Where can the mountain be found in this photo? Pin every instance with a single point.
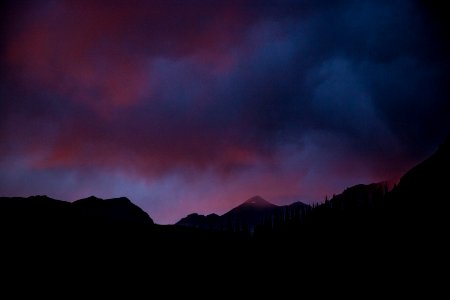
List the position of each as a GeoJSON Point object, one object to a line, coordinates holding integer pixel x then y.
{"type": "Point", "coordinates": [45, 210]}
{"type": "Point", "coordinates": [113, 210]}
{"type": "Point", "coordinates": [359, 197]}
{"type": "Point", "coordinates": [419, 200]}
{"type": "Point", "coordinates": [414, 210]}
{"type": "Point", "coordinates": [246, 217]}
{"type": "Point", "coordinates": [349, 213]}
{"type": "Point", "coordinates": [212, 221]}
{"type": "Point", "coordinates": [253, 204]}
{"type": "Point", "coordinates": [428, 181]}
{"type": "Point", "coordinates": [255, 211]}
{"type": "Point", "coordinates": [422, 195]}
{"type": "Point", "coordinates": [34, 209]}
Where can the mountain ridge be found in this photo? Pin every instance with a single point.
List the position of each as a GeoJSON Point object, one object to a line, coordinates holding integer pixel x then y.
{"type": "Point", "coordinates": [41, 208]}
{"type": "Point", "coordinates": [421, 182]}
{"type": "Point", "coordinates": [253, 212]}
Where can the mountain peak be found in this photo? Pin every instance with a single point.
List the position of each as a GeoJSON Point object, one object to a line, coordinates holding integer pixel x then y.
{"type": "Point", "coordinates": [89, 199]}
{"type": "Point", "coordinates": [120, 200]}
{"type": "Point", "coordinates": [257, 201]}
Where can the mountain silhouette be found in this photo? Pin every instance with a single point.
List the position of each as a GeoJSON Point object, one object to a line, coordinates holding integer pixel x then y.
{"type": "Point", "coordinates": [253, 212]}
{"type": "Point", "coordinates": [422, 197]}
{"type": "Point", "coordinates": [114, 210]}
{"type": "Point", "coordinates": [414, 211]}
{"type": "Point", "coordinates": [212, 221]}
{"type": "Point", "coordinates": [348, 214]}
{"type": "Point", "coordinates": [251, 205]}
{"type": "Point", "coordinates": [359, 197]}
{"type": "Point", "coordinates": [428, 180]}
{"type": "Point", "coordinates": [34, 209]}
{"type": "Point", "coordinates": [43, 209]}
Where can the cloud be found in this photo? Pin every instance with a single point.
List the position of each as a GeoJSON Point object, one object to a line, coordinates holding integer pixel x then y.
{"type": "Point", "coordinates": [220, 100]}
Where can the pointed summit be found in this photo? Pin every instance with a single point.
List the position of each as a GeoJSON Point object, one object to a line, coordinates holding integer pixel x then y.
{"type": "Point", "coordinates": [90, 199]}
{"type": "Point", "coordinates": [254, 204]}
{"type": "Point", "coordinates": [258, 201]}
{"type": "Point", "coordinates": [252, 212]}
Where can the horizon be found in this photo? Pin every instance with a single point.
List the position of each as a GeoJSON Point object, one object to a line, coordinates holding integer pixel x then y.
{"type": "Point", "coordinates": [389, 183]}
{"type": "Point", "coordinates": [198, 106]}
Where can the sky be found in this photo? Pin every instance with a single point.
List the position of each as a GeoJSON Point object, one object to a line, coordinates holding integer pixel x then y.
{"type": "Point", "coordinates": [196, 106]}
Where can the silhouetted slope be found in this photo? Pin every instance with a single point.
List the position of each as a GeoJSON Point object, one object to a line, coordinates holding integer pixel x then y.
{"type": "Point", "coordinates": [359, 197]}
{"type": "Point", "coordinates": [348, 213]}
{"type": "Point", "coordinates": [428, 181]}
{"type": "Point", "coordinates": [413, 212]}
{"type": "Point", "coordinates": [422, 196]}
